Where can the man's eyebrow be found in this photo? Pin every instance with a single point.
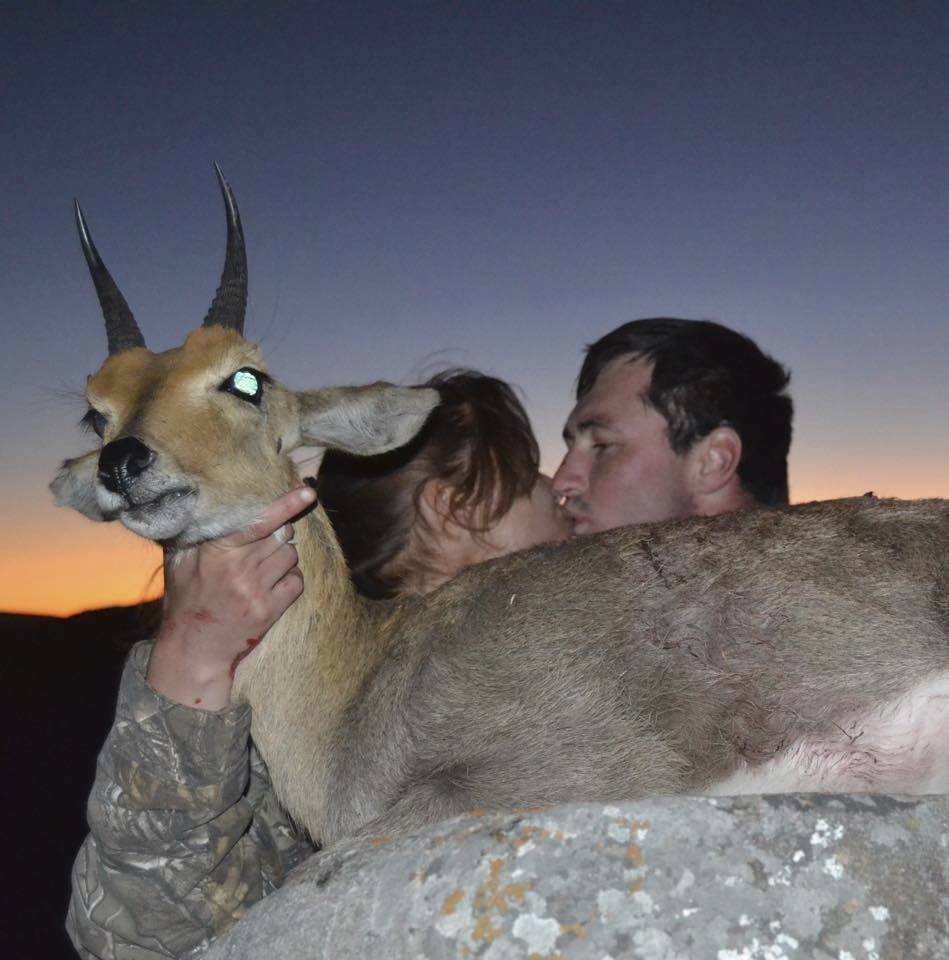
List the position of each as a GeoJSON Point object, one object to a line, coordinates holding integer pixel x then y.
{"type": "Point", "coordinates": [589, 423]}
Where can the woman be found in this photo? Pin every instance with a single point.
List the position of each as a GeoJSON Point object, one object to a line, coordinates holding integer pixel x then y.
{"type": "Point", "coordinates": [465, 490]}
{"type": "Point", "coordinates": [185, 833]}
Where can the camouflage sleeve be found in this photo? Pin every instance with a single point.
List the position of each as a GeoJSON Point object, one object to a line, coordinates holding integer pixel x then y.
{"type": "Point", "coordinates": [185, 830]}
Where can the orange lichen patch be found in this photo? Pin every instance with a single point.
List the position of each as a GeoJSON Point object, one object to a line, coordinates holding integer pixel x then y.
{"type": "Point", "coordinates": [464, 951]}
{"type": "Point", "coordinates": [574, 930]}
{"type": "Point", "coordinates": [544, 956]}
{"type": "Point", "coordinates": [474, 814]}
{"type": "Point", "coordinates": [492, 898]}
{"type": "Point", "coordinates": [516, 891]}
{"type": "Point", "coordinates": [531, 833]}
{"type": "Point", "coordinates": [484, 929]}
{"type": "Point", "coordinates": [622, 821]}
{"type": "Point", "coordinates": [450, 903]}
{"type": "Point", "coordinates": [851, 906]}
{"type": "Point", "coordinates": [635, 887]}
{"type": "Point", "coordinates": [531, 811]}
{"type": "Point", "coordinates": [635, 854]}
{"type": "Point", "coordinates": [379, 841]}
{"type": "Point", "coordinates": [488, 896]}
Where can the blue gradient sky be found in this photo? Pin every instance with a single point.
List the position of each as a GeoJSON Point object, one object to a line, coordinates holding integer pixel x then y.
{"type": "Point", "coordinates": [485, 184]}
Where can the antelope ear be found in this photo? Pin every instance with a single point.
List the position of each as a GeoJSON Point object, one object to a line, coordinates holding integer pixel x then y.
{"type": "Point", "coordinates": [364, 420]}
{"type": "Point", "coordinates": [75, 485]}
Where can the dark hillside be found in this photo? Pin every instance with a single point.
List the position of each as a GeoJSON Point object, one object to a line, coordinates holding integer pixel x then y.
{"type": "Point", "coordinates": [59, 680]}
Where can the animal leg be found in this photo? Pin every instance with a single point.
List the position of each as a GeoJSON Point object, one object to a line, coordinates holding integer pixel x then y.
{"type": "Point", "coordinates": [421, 806]}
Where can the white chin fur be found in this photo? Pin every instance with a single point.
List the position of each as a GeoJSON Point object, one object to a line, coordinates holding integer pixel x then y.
{"type": "Point", "coordinates": [166, 519]}
{"type": "Point", "coordinates": [183, 524]}
{"type": "Point", "coordinates": [111, 504]}
{"type": "Point", "coordinates": [154, 527]}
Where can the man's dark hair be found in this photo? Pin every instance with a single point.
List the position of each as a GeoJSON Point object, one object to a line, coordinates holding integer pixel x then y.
{"type": "Point", "coordinates": [706, 376]}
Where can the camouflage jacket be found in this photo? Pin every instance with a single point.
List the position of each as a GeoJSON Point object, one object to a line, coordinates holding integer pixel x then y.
{"type": "Point", "coordinates": [185, 830]}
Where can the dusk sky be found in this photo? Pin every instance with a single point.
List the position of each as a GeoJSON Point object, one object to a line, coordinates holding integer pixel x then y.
{"type": "Point", "coordinates": [481, 184]}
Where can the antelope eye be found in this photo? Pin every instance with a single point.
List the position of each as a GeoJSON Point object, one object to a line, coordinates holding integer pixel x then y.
{"type": "Point", "coordinates": [94, 421]}
{"type": "Point", "coordinates": [246, 383]}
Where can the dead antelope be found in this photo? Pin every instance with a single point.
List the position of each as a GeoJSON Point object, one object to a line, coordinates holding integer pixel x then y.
{"type": "Point", "coordinates": [795, 649]}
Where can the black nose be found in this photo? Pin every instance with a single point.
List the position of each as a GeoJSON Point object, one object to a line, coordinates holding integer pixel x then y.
{"type": "Point", "coordinates": [122, 461]}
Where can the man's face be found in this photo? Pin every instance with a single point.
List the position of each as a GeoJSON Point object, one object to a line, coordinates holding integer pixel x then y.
{"type": "Point", "coordinates": [619, 468]}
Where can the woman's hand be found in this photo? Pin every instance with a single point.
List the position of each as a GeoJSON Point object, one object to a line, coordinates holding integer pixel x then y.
{"type": "Point", "coordinates": [220, 599]}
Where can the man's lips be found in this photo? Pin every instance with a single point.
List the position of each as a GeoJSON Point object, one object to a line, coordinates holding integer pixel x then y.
{"type": "Point", "coordinates": [579, 522]}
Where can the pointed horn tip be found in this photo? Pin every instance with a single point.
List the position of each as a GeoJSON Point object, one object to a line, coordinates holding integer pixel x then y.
{"type": "Point", "coordinates": [230, 301]}
{"type": "Point", "coordinates": [88, 247]}
{"type": "Point", "coordinates": [220, 173]}
{"type": "Point", "coordinates": [226, 191]}
{"type": "Point", "coordinates": [121, 329]}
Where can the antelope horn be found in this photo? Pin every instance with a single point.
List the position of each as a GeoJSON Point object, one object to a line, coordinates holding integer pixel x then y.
{"type": "Point", "coordinates": [230, 301]}
{"type": "Point", "coordinates": [120, 325]}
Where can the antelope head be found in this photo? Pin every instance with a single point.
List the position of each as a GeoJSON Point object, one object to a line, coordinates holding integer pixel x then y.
{"type": "Point", "coordinates": [194, 440]}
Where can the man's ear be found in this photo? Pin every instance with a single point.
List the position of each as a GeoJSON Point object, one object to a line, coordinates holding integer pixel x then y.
{"type": "Point", "coordinates": [364, 420]}
{"type": "Point", "coordinates": [75, 485]}
{"type": "Point", "coordinates": [714, 461]}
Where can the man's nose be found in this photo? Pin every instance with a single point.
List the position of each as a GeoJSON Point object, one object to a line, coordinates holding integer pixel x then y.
{"type": "Point", "coordinates": [568, 480]}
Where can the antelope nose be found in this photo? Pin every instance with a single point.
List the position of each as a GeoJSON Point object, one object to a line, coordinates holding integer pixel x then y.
{"type": "Point", "coordinates": [122, 461]}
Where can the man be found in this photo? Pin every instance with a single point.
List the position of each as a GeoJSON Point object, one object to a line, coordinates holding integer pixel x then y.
{"type": "Point", "coordinates": [674, 418]}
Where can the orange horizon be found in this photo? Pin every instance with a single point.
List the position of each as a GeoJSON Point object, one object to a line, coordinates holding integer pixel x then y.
{"type": "Point", "coordinates": [99, 566]}
{"type": "Point", "coordinates": [129, 581]}
{"type": "Point", "coordinates": [103, 565]}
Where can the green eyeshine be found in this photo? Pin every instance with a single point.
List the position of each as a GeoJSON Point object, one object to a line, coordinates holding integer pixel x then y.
{"type": "Point", "coordinates": [245, 382]}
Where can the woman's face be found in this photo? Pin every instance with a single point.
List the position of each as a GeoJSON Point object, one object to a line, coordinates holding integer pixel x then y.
{"type": "Point", "coordinates": [531, 520]}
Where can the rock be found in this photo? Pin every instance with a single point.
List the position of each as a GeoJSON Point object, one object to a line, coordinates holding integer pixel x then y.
{"type": "Point", "coordinates": [744, 878]}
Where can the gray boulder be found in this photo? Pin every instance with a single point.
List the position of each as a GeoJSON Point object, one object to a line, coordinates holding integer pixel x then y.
{"type": "Point", "coordinates": [745, 878]}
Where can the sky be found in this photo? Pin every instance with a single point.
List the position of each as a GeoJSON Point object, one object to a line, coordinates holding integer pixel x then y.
{"type": "Point", "coordinates": [494, 185]}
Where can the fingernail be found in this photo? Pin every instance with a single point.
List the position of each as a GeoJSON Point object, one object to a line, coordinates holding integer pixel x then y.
{"type": "Point", "coordinates": [307, 494]}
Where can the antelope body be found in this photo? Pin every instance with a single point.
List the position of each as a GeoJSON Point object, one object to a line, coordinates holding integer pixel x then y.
{"type": "Point", "coordinates": [804, 648]}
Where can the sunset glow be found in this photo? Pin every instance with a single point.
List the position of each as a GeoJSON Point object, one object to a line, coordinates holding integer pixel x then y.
{"type": "Point", "coordinates": [481, 185]}
{"type": "Point", "coordinates": [99, 567]}
{"type": "Point", "coordinates": [85, 565]}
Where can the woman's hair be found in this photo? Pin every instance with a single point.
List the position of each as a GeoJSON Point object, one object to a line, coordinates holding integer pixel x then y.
{"type": "Point", "coordinates": [478, 441]}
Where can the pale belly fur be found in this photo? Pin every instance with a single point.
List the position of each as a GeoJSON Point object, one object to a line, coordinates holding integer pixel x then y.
{"type": "Point", "coordinates": [901, 747]}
